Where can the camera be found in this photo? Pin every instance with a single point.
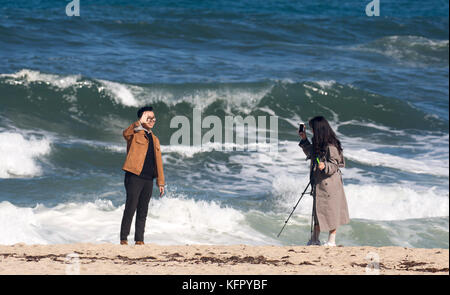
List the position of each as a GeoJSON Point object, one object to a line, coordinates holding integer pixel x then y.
{"type": "Point", "coordinates": [301, 127]}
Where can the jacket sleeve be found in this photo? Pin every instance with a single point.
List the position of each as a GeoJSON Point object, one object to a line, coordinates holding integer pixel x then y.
{"type": "Point", "coordinates": [159, 164]}
{"type": "Point", "coordinates": [129, 132]}
{"type": "Point", "coordinates": [334, 161]}
{"type": "Point", "coordinates": [306, 146]}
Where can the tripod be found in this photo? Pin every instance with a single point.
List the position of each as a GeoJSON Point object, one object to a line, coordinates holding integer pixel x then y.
{"type": "Point", "coordinates": [295, 207]}
{"type": "Point", "coordinates": [312, 193]}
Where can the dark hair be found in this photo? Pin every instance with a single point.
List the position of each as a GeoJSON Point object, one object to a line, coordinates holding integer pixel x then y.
{"type": "Point", "coordinates": [323, 136]}
{"type": "Point", "coordinates": [144, 109]}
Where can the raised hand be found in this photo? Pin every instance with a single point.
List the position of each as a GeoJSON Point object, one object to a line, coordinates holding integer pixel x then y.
{"type": "Point", "coordinates": [144, 118]}
{"type": "Point", "coordinates": [302, 135]}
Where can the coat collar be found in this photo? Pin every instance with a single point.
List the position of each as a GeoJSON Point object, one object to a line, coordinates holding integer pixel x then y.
{"type": "Point", "coordinates": [140, 127]}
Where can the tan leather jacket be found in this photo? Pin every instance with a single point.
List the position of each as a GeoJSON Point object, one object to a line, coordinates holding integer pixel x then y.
{"type": "Point", "coordinates": [137, 145]}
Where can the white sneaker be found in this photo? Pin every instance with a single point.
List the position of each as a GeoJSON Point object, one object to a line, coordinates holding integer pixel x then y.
{"type": "Point", "coordinates": [313, 243]}
{"type": "Point", "coordinates": [328, 244]}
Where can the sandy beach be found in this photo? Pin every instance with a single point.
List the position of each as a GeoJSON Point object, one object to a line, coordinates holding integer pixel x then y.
{"type": "Point", "coordinates": [204, 259]}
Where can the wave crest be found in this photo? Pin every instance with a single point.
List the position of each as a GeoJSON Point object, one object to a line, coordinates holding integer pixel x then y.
{"type": "Point", "coordinates": [411, 49]}
{"type": "Point", "coordinates": [19, 155]}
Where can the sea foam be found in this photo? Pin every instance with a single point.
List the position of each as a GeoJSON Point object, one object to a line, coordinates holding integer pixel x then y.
{"type": "Point", "coordinates": [19, 155]}
{"type": "Point", "coordinates": [369, 201]}
{"type": "Point", "coordinates": [171, 220]}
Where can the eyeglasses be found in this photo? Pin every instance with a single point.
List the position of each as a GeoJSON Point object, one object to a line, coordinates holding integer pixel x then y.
{"type": "Point", "coordinates": [151, 119]}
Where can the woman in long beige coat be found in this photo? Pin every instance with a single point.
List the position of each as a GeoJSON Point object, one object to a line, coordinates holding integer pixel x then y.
{"type": "Point", "coordinates": [330, 205]}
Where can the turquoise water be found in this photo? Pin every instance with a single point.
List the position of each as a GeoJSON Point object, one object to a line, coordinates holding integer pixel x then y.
{"type": "Point", "coordinates": [69, 86]}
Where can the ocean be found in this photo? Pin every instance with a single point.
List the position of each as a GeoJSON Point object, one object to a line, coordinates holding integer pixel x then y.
{"type": "Point", "coordinates": [70, 85]}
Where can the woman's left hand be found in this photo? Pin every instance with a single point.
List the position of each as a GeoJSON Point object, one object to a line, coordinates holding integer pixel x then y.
{"type": "Point", "coordinates": [161, 190]}
{"type": "Point", "coordinates": [321, 166]}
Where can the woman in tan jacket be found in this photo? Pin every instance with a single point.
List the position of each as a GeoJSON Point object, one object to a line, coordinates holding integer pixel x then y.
{"type": "Point", "coordinates": [330, 205]}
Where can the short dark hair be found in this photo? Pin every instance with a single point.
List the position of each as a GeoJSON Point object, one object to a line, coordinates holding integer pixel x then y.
{"type": "Point", "coordinates": [144, 109]}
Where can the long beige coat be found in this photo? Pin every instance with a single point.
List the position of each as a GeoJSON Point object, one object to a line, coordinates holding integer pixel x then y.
{"type": "Point", "coordinates": [331, 203]}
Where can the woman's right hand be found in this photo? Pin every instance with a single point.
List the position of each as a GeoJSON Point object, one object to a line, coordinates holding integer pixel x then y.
{"type": "Point", "coordinates": [302, 135]}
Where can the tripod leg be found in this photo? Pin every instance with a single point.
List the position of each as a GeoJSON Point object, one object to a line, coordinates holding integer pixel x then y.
{"type": "Point", "coordinates": [294, 208]}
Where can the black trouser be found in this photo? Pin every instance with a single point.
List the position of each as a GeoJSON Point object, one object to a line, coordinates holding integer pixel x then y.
{"type": "Point", "coordinates": [139, 192]}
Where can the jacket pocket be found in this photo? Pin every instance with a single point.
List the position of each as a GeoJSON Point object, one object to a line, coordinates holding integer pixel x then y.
{"type": "Point", "coordinates": [141, 140]}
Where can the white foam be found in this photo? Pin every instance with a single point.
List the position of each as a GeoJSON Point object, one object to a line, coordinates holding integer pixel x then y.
{"type": "Point", "coordinates": [325, 83]}
{"type": "Point", "coordinates": [412, 41]}
{"type": "Point", "coordinates": [407, 48]}
{"type": "Point", "coordinates": [246, 99]}
{"type": "Point", "coordinates": [116, 148]}
{"type": "Point", "coordinates": [135, 96]}
{"type": "Point", "coordinates": [19, 155]}
{"type": "Point", "coordinates": [171, 221]}
{"type": "Point", "coordinates": [395, 202]}
{"type": "Point", "coordinates": [94, 222]}
{"type": "Point", "coordinates": [369, 125]}
{"type": "Point", "coordinates": [185, 220]}
{"type": "Point", "coordinates": [432, 161]}
{"type": "Point", "coordinates": [26, 76]}
{"type": "Point", "coordinates": [287, 190]}
{"type": "Point", "coordinates": [424, 166]}
{"type": "Point", "coordinates": [122, 94]}
{"type": "Point", "coordinates": [19, 225]}
{"type": "Point", "coordinates": [189, 151]}
{"type": "Point", "coordinates": [369, 201]}
{"type": "Point", "coordinates": [315, 89]}
{"type": "Point", "coordinates": [101, 145]}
